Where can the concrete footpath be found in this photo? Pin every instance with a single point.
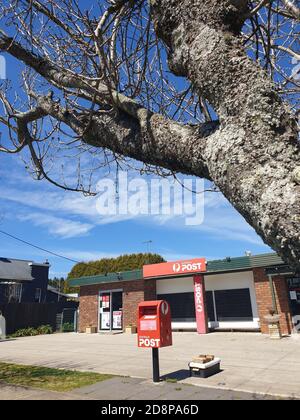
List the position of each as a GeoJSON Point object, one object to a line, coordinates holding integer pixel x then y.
{"type": "Point", "coordinates": [15, 393]}
{"type": "Point", "coordinates": [250, 362]}
{"type": "Point", "coordinates": [130, 389]}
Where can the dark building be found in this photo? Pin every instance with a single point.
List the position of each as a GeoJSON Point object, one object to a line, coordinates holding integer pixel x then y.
{"type": "Point", "coordinates": [23, 281]}
{"type": "Point", "coordinates": [55, 296]}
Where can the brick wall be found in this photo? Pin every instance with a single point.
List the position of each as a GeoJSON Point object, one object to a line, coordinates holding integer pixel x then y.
{"type": "Point", "coordinates": [134, 292]}
{"type": "Point", "coordinates": [88, 307]}
{"type": "Point", "coordinates": [265, 301]}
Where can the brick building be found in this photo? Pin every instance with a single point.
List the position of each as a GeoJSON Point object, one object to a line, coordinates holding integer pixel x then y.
{"type": "Point", "coordinates": [239, 293]}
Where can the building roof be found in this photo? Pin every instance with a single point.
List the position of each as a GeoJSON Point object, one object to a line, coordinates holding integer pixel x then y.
{"type": "Point", "coordinates": [12, 269]}
{"type": "Point", "coordinates": [243, 263]}
{"type": "Point", "coordinates": [18, 270]}
{"type": "Point", "coordinates": [108, 278]}
{"type": "Point", "coordinates": [52, 289]}
{"type": "Point", "coordinates": [215, 266]}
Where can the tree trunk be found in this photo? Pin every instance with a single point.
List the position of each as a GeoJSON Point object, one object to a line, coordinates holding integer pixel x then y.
{"type": "Point", "coordinates": [254, 156]}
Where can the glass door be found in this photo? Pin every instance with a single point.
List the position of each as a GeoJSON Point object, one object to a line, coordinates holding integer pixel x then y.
{"type": "Point", "coordinates": [117, 311]}
{"type": "Point", "coordinates": [111, 311]}
{"type": "Point", "coordinates": [105, 309]}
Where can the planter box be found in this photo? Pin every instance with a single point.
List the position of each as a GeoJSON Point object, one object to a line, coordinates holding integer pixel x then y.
{"type": "Point", "coordinates": [131, 330]}
{"type": "Point", "coordinates": [275, 331]}
{"type": "Point", "coordinates": [91, 330]}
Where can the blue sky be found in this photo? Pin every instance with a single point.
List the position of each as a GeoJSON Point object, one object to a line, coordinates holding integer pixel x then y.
{"type": "Point", "coordinates": [69, 224]}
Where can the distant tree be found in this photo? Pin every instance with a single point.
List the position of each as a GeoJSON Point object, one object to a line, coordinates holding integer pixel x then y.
{"type": "Point", "coordinates": [111, 265]}
{"type": "Point", "coordinates": [57, 283]}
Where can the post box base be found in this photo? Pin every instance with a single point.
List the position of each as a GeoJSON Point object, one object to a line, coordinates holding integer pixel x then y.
{"type": "Point", "coordinates": [205, 370]}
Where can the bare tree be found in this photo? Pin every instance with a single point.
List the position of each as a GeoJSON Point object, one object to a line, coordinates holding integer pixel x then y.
{"type": "Point", "coordinates": [96, 81]}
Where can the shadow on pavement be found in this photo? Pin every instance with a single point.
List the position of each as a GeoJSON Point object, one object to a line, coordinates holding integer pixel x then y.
{"type": "Point", "coordinates": [179, 375]}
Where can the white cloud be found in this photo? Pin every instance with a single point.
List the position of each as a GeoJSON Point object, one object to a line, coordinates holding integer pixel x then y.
{"type": "Point", "coordinates": [221, 221]}
{"type": "Point", "coordinates": [60, 201]}
{"type": "Point", "coordinates": [57, 226]}
{"type": "Point", "coordinates": [87, 255]}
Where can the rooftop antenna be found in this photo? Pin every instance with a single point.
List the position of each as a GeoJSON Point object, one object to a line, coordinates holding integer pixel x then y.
{"type": "Point", "coordinates": [148, 243]}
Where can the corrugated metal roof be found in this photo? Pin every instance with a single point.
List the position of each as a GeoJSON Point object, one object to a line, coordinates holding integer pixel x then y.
{"type": "Point", "coordinates": [108, 278]}
{"type": "Point", "coordinates": [265, 260]}
{"type": "Point", "coordinates": [52, 289]}
{"type": "Point", "coordinates": [229, 264]}
{"type": "Point", "coordinates": [243, 263]}
{"type": "Point", "coordinates": [18, 270]}
{"type": "Point", "coordinates": [215, 266]}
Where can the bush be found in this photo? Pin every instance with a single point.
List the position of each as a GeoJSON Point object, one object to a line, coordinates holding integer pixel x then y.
{"type": "Point", "coordinates": [25, 332]}
{"type": "Point", "coordinates": [31, 332]}
{"type": "Point", "coordinates": [44, 330]}
{"type": "Point", "coordinates": [68, 327]}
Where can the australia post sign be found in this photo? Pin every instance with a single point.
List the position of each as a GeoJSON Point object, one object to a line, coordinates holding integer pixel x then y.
{"type": "Point", "coordinates": [200, 307]}
{"type": "Point", "coordinates": [194, 266]}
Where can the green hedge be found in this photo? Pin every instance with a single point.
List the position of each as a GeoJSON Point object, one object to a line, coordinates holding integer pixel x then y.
{"type": "Point", "coordinates": [110, 265]}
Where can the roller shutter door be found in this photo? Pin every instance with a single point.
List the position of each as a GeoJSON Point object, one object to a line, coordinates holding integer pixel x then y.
{"type": "Point", "coordinates": [183, 306]}
{"type": "Point", "coordinates": [234, 305]}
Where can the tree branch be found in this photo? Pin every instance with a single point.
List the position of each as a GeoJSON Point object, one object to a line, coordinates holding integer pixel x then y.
{"type": "Point", "coordinates": [154, 139]}
{"type": "Point", "coordinates": [159, 142]}
{"type": "Point", "coordinates": [64, 78]}
{"type": "Point", "coordinates": [292, 8]}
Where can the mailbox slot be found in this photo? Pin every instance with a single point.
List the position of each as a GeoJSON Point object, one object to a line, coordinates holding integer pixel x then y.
{"type": "Point", "coordinates": [148, 310]}
{"type": "Point", "coordinates": [148, 323]}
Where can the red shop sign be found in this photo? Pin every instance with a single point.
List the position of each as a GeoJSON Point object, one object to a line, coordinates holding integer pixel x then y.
{"type": "Point", "coordinates": [200, 307]}
{"type": "Point", "coordinates": [197, 265]}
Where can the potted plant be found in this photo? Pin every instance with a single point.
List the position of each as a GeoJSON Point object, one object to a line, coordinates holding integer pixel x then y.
{"type": "Point", "coordinates": [91, 329]}
{"type": "Point", "coordinates": [131, 329]}
{"type": "Point", "coordinates": [273, 321]}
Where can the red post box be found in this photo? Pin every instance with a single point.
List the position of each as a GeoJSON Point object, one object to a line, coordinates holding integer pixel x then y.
{"type": "Point", "coordinates": [154, 324]}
